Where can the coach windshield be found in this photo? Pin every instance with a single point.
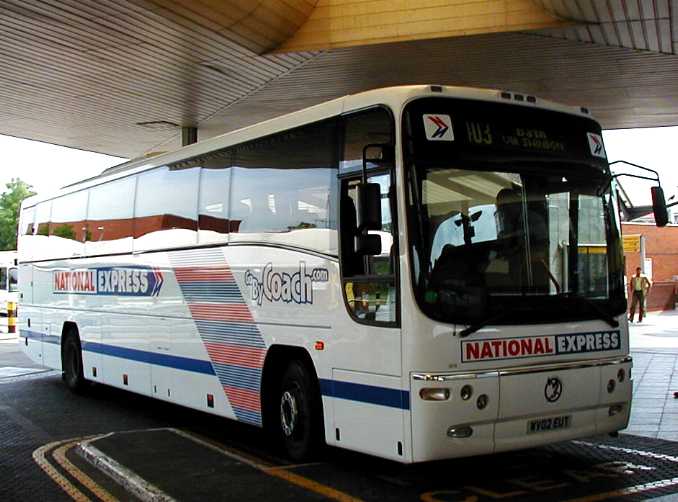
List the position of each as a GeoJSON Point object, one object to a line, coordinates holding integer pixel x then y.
{"type": "Point", "coordinates": [509, 234]}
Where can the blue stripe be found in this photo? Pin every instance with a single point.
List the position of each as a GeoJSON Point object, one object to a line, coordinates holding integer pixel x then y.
{"type": "Point", "coordinates": [247, 378]}
{"type": "Point", "coordinates": [181, 363]}
{"type": "Point", "coordinates": [383, 396]}
{"type": "Point", "coordinates": [238, 376]}
{"type": "Point", "coordinates": [251, 417]}
{"type": "Point", "coordinates": [230, 332]}
{"type": "Point", "coordinates": [54, 339]}
{"type": "Point", "coordinates": [36, 335]}
{"type": "Point", "coordinates": [33, 335]}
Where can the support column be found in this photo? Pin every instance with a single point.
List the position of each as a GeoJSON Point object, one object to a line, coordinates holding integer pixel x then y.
{"type": "Point", "coordinates": [189, 135]}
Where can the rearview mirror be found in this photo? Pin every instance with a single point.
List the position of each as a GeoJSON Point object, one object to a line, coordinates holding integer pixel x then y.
{"type": "Point", "coordinates": [661, 215]}
{"type": "Point", "coordinates": [368, 206]}
{"type": "Point", "coordinates": [368, 244]}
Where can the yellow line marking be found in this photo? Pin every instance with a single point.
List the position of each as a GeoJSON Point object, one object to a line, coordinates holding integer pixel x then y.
{"type": "Point", "coordinates": [277, 471]}
{"type": "Point", "coordinates": [60, 456]}
{"type": "Point", "coordinates": [297, 466]}
{"type": "Point", "coordinates": [310, 485]}
{"type": "Point", "coordinates": [39, 456]}
{"type": "Point", "coordinates": [431, 497]}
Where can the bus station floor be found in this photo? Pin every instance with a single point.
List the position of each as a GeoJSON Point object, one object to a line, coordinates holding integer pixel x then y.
{"type": "Point", "coordinates": [58, 446]}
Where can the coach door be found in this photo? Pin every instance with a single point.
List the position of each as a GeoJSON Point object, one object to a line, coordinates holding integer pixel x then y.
{"type": "Point", "coordinates": [366, 385]}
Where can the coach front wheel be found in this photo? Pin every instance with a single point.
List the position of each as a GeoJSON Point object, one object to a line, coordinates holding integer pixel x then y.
{"type": "Point", "coordinates": [299, 415]}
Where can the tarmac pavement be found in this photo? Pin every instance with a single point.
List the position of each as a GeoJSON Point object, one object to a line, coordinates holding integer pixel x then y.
{"type": "Point", "coordinates": [43, 428]}
{"type": "Point", "coordinates": [654, 347]}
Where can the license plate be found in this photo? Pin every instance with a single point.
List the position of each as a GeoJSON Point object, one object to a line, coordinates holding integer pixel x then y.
{"type": "Point", "coordinates": [548, 424]}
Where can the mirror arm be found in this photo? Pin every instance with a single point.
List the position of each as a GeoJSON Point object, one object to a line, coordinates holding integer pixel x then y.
{"type": "Point", "coordinates": [364, 173]}
{"type": "Point", "coordinates": [656, 174]}
{"type": "Point", "coordinates": [635, 176]}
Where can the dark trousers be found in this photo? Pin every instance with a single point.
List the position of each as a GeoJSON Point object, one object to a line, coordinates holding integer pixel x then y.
{"type": "Point", "coordinates": [637, 299]}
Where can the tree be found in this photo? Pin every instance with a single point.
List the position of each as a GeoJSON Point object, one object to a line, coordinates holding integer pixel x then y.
{"type": "Point", "coordinates": [10, 204]}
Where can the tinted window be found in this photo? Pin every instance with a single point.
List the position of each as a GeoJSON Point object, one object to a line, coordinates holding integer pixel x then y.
{"type": "Point", "coordinates": [3, 278]}
{"type": "Point", "coordinates": [68, 216]}
{"type": "Point", "coordinates": [166, 207]}
{"type": "Point", "coordinates": [27, 220]}
{"type": "Point", "coordinates": [13, 280]}
{"type": "Point", "coordinates": [26, 230]}
{"type": "Point", "coordinates": [110, 217]}
{"type": "Point", "coordinates": [369, 281]}
{"type": "Point", "coordinates": [215, 176]}
{"type": "Point", "coordinates": [267, 201]}
{"type": "Point", "coordinates": [42, 214]}
{"type": "Point", "coordinates": [369, 127]}
{"type": "Point", "coordinates": [286, 184]}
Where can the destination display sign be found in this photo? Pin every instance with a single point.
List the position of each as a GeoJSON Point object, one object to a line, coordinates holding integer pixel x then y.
{"type": "Point", "coordinates": [451, 128]}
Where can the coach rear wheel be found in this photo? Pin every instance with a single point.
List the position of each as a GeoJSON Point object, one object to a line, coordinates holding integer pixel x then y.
{"type": "Point", "coordinates": [71, 363]}
{"type": "Point", "coordinates": [299, 416]}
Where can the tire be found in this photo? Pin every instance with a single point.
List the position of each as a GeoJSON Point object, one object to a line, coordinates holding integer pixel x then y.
{"type": "Point", "coordinates": [299, 412]}
{"type": "Point", "coordinates": [71, 363]}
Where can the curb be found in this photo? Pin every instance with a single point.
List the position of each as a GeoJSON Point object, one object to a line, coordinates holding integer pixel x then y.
{"type": "Point", "coordinates": [126, 478]}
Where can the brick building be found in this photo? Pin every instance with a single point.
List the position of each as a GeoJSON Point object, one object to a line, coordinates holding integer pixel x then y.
{"type": "Point", "coordinates": [661, 247]}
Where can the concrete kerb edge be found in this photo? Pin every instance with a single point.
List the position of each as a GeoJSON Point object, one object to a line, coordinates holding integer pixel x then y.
{"type": "Point", "coordinates": [129, 480]}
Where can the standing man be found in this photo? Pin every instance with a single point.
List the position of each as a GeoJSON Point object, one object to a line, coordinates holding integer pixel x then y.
{"type": "Point", "coordinates": [640, 287]}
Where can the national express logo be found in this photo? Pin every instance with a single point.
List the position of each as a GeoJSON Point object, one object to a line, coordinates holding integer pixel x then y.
{"type": "Point", "coordinates": [284, 287]}
{"type": "Point", "coordinates": [536, 346]}
{"type": "Point", "coordinates": [110, 281]}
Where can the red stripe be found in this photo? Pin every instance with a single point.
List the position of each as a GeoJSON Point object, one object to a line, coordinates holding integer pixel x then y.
{"type": "Point", "coordinates": [220, 312]}
{"type": "Point", "coordinates": [236, 355]}
{"type": "Point", "coordinates": [243, 398]}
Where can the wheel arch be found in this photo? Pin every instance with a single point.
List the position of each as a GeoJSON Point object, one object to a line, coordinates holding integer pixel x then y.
{"type": "Point", "coordinates": [275, 363]}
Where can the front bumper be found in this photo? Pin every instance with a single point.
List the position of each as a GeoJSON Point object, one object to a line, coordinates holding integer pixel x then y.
{"type": "Point", "coordinates": [595, 396]}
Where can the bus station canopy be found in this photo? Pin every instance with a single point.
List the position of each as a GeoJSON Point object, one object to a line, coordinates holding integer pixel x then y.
{"type": "Point", "coordinates": [123, 77]}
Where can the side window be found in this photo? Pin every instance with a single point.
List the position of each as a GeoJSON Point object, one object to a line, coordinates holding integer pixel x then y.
{"type": "Point", "coordinates": [13, 279]}
{"type": "Point", "coordinates": [110, 217]}
{"type": "Point", "coordinates": [27, 226]}
{"type": "Point", "coordinates": [3, 279]}
{"type": "Point", "coordinates": [38, 248]}
{"type": "Point", "coordinates": [166, 208]}
{"type": "Point", "coordinates": [215, 182]}
{"type": "Point", "coordinates": [369, 127]}
{"type": "Point", "coordinates": [67, 226]}
{"type": "Point", "coordinates": [283, 189]}
{"type": "Point", "coordinates": [370, 284]}
{"type": "Point", "coordinates": [26, 230]}
{"type": "Point", "coordinates": [42, 215]}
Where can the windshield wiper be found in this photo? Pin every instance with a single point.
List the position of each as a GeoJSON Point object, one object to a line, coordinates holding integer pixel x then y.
{"type": "Point", "coordinates": [481, 324]}
{"type": "Point", "coordinates": [602, 313]}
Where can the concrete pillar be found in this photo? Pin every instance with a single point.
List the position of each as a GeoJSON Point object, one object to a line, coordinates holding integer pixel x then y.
{"type": "Point", "coordinates": [189, 135]}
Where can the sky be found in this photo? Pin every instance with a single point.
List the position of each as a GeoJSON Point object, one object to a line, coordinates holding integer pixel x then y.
{"type": "Point", "coordinates": [656, 148]}
{"type": "Point", "coordinates": [48, 167]}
